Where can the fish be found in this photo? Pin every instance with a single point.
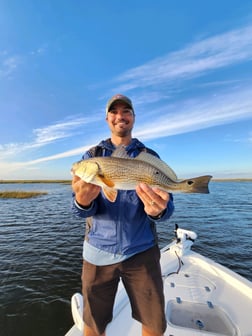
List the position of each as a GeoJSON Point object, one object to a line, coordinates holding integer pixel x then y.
{"type": "Point", "coordinates": [121, 172]}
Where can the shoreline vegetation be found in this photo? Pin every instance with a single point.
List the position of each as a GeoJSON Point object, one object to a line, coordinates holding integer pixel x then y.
{"type": "Point", "coordinates": [21, 194]}
{"type": "Point", "coordinates": [34, 181]}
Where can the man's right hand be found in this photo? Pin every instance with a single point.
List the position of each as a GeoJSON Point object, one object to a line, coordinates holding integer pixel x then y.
{"type": "Point", "coordinates": [85, 193]}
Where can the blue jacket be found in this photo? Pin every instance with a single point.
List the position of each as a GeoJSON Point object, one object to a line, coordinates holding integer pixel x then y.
{"type": "Point", "coordinates": [121, 227]}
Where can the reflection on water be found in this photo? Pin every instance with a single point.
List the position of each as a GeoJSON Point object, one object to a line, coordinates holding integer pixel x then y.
{"type": "Point", "coordinates": [41, 249]}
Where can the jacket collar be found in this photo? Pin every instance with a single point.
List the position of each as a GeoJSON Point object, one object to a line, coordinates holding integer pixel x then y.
{"type": "Point", "coordinates": [135, 143]}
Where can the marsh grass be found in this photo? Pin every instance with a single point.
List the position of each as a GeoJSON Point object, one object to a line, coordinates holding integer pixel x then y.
{"type": "Point", "coordinates": [33, 181]}
{"type": "Point", "coordinates": [21, 194]}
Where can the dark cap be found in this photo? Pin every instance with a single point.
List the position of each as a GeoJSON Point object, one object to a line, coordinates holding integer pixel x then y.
{"type": "Point", "coordinates": [119, 97]}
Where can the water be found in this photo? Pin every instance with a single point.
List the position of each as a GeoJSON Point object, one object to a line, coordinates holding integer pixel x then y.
{"type": "Point", "coordinates": [41, 248]}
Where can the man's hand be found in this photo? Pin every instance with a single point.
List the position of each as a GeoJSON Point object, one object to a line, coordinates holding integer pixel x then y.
{"type": "Point", "coordinates": [85, 193]}
{"type": "Point", "coordinates": [155, 200]}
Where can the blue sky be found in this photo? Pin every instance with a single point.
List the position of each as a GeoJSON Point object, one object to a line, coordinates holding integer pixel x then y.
{"type": "Point", "coordinates": [186, 65]}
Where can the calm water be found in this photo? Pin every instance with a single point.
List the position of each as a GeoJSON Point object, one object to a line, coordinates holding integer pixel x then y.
{"type": "Point", "coordinates": [41, 247]}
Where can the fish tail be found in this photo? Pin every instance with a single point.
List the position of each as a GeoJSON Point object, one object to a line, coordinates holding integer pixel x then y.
{"type": "Point", "coordinates": [198, 185]}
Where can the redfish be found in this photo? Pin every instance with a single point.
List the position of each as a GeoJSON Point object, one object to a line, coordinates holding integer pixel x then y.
{"type": "Point", "coordinates": [120, 172]}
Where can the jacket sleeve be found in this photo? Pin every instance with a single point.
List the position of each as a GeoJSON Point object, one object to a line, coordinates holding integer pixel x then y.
{"type": "Point", "coordinates": [83, 212]}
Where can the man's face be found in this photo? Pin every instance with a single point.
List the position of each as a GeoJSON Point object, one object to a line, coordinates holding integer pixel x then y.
{"type": "Point", "coordinates": [120, 119]}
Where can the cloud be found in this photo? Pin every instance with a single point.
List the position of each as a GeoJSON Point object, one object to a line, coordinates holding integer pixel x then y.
{"type": "Point", "coordinates": [8, 64]}
{"type": "Point", "coordinates": [70, 153]}
{"type": "Point", "coordinates": [58, 131]}
{"type": "Point", "coordinates": [12, 169]}
{"type": "Point", "coordinates": [190, 115]}
{"type": "Point", "coordinates": [48, 135]}
{"type": "Point", "coordinates": [73, 152]}
{"type": "Point", "coordinates": [246, 139]}
{"type": "Point", "coordinates": [197, 114]}
{"type": "Point", "coordinates": [40, 50]}
{"type": "Point", "coordinates": [194, 60]}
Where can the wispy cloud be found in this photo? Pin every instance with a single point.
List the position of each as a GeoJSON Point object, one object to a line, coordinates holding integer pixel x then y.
{"type": "Point", "coordinates": [61, 130]}
{"type": "Point", "coordinates": [8, 64]}
{"type": "Point", "coordinates": [192, 115]}
{"type": "Point", "coordinates": [194, 60]}
{"type": "Point", "coordinates": [48, 135]}
{"type": "Point", "coordinates": [39, 50]}
{"type": "Point", "coordinates": [189, 116]}
{"type": "Point", "coordinates": [245, 139]}
{"type": "Point", "coordinates": [70, 153]}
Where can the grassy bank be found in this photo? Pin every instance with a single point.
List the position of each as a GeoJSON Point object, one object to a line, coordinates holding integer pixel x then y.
{"type": "Point", "coordinates": [33, 181]}
{"type": "Point", "coordinates": [21, 194]}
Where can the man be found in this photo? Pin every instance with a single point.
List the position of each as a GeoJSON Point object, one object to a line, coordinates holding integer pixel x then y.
{"type": "Point", "coordinates": [120, 241]}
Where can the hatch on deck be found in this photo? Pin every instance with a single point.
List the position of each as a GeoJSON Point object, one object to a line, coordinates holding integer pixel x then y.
{"type": "Point", "coordinates": [199, 316]}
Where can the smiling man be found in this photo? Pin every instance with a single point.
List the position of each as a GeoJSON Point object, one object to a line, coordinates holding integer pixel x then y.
{"type": "Point", "coordinates": [121, 240]}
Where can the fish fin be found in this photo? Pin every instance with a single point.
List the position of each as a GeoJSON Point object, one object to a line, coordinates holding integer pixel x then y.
{"type": "Point", "coordinates": [106, 181]}
{"type": "Point", "coordinates": [120, 152]}
{"type": "Point", "coordinates": [198, 185]}
{"type": "Point", "coordinates": [157, 163]}
{"type": "Point", "coordinates": [110, 193]}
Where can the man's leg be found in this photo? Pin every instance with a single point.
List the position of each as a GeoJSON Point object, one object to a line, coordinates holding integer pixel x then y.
{"type": "Point", "coordinates": [142, 278]}
{"type": "Point", "coordinates": [99, 287]}
{"type": "Point", "coordinates": [89, 332]}
{"type": "Point", "coordinates": [148, 332]}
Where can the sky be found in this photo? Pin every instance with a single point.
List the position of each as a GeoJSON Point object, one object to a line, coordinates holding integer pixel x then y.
{"type": "Point", "coordinates": [186, 65]}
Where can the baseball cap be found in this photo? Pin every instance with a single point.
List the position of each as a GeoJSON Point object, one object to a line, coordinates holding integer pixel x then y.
{"type": "Point", "coordinates": [119, 97]}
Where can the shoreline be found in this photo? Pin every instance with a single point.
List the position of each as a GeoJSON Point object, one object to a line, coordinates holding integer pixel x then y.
{"type": "Point", "coordinates": [237, 179]}
{"type": "Point", "coordinates": [34, 181]}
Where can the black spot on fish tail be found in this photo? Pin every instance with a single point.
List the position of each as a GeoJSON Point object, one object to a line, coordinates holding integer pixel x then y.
{"type": "Point", "coordinates": [199, 184]}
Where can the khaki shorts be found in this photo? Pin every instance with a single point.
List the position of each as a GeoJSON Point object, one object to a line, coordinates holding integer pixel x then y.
{"type": "Point", "coordinates": [142, 279]}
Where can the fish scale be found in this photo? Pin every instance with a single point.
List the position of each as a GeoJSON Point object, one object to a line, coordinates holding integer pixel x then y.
{"type": "Point", "coordinates": [127, 172]}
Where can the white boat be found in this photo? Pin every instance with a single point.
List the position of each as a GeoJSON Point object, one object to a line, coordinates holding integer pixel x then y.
{"type": "Point", "coordinates": [202, 297]}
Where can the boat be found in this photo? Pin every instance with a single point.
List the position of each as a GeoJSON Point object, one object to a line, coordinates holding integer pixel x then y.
{"type": "Point", "coordinates": [202, 297]}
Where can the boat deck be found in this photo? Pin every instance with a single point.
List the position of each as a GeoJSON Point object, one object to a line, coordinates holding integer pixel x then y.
{"type": "Point", "coordinates": [203, 298]}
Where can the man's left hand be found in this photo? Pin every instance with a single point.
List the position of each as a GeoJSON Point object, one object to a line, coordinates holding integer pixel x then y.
{"type": "Point", "coordinates": [155, 200]}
